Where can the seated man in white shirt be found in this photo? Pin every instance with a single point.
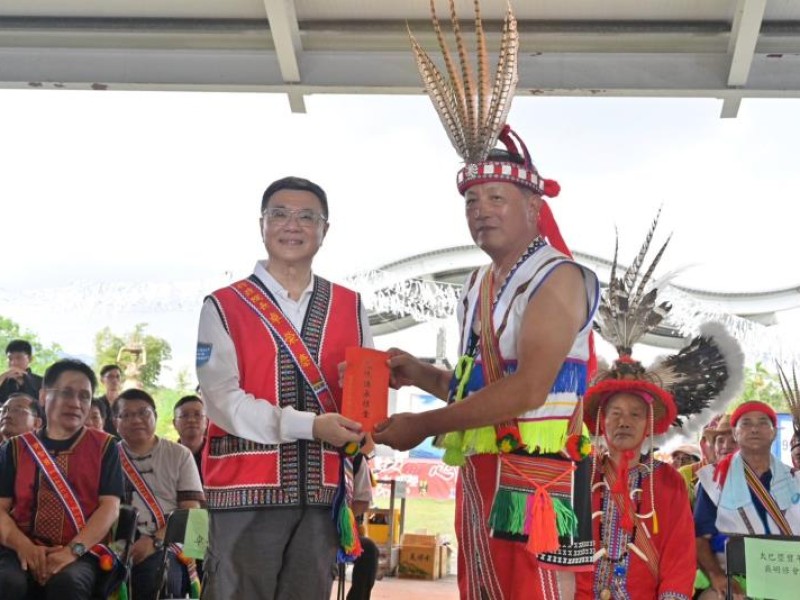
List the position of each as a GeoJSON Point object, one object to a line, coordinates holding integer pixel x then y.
{"type": "Point", "coordinates": [160, 476]}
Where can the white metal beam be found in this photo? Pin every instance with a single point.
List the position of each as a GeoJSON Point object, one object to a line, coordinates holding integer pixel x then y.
{"type": "Point", "coordinates": [745, 37]}
{"type": "Point", "coordinates": [730, 107]}
{"type": "Point", "coordinates": [558, 74]}
{"type": "Point", "coordinates": [285, 31]}
{"type": "Point", "coordinates": [741, 47]}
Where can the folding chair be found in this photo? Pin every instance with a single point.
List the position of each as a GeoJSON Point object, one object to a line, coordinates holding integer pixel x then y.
{"type": "Point", "coordinates": [174, 534]}
{"type": "Point", "coordinates": [124, 531]}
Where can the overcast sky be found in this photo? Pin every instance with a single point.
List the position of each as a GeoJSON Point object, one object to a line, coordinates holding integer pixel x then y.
{"type": "Point", "coordinates": [155, 196]}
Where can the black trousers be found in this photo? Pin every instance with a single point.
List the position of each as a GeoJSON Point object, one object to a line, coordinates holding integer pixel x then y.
{"type": "Point", "coordinates": [74, 582]}
{"type": "Point", "coordinates": [144, 577]}
{"type": "Point", "coordinates": [365, 568]}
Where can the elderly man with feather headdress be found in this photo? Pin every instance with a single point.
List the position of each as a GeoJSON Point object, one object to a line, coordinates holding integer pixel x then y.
{"type": "Point", "coordinates": [522, 511]}
{"type": "Point", "coordinates": [641, 514]}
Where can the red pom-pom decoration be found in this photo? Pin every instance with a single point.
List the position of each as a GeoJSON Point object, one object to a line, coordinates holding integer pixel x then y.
{"type": "Point", "coordinates": [551, 188]}
{"type": "Point", "coordinates": [106, 562]}
{"type": "Point", "coordinates": [578, 447]}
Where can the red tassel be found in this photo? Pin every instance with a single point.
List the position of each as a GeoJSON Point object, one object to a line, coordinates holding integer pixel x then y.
{"type": "Point", "coordinates": [549, 229]}
{"type": "Point", "coordinates": [543, 535]}
{"type": "Point", "coordinates": [591, 364]}
{"type": "Point", "coordinates": [621, 488]}
{"type": "Point", "coordinates": [721, 469]}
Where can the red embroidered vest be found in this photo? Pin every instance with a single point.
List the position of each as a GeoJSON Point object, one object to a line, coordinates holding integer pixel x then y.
{"type": "Point", "coordinates": [36, 509]}
{"type": "Point", "coordinates": [240, 473]}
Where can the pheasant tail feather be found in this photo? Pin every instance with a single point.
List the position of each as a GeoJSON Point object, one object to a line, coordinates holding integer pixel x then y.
{"type": "Point", "coordinates": [442, 95]}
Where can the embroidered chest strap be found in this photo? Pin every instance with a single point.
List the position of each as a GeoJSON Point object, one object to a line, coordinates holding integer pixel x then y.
{"type": "Point", "coordinates": [766, 499]}
{"type": "Point", "coordinates": [272, 316]}
{"type": "Point", "coordinates": [141, 487]}
{"type": "Point", "coordinates": [507, 434]}
{"type": "Point", "coordinates": [56, 479]}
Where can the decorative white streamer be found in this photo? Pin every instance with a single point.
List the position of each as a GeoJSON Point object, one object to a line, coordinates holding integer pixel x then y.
{"type": "Point", "coordinates": [423, 300]}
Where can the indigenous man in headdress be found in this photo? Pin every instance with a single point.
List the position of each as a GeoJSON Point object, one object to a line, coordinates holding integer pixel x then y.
{"type": "Point", "coordinates": [522, 513]}
{"type": "Point", "coordinates": [641, 513]}
{"type": "Point", "coordinates": [750, 493]}
{"type": "Point", "coordinates": [631, 496]}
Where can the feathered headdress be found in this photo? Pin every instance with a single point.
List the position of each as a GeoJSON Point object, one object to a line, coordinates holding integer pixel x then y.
{"type": "Point", "coordinates": [473, 110]}
{"type": "Point", "coordinates": [704, 375]}
{"type": "Point", "coordinates": [682, 384]}
{"type": "Point", "coordinates": [791, 391]}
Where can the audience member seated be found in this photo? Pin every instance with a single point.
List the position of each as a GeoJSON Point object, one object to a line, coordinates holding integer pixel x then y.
{"type": "Point", "coordinates": [97, 415]}
{"type": "Point", "coordinates": [191, 422]}
{"type": "Point", "coordinates": [111, 377]}
{"type": "Point", "coordinates": [20, 414]}
{"type": "Point", "coordinates": [160, 476]}
{"type": "Point", "coordinates": [19, 377]}
{"type": "Point", "coordinates": [49, 532]}
{"type": "Point", "coordinates": [728, 502]}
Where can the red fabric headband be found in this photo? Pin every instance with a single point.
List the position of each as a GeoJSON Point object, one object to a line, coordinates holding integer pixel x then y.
{"type": "Point", "coordinates": [754, 406]}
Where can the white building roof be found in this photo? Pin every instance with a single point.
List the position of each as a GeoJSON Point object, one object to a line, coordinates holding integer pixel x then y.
{"type": "Point", "coordinates": [726, 49]}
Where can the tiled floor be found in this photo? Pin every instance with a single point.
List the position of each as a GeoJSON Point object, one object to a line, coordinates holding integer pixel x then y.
{"type": "Point", "coordinates": [392, 588]}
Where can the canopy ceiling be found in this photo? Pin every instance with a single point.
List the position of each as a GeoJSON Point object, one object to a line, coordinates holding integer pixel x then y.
{"type": "Point", "coordinates": [726, 49]}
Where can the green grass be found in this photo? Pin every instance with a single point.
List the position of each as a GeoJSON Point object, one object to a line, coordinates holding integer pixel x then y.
{"type": "Point", "coordinates": [435, 516]}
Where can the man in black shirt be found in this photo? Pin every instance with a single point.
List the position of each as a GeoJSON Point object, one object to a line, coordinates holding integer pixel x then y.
{"type": "Point", "coordinates": [48, 532]}
{"type": "Point", "coordinates": [111, 378]}
{"type": "Point", "coordinates": [18, 377]}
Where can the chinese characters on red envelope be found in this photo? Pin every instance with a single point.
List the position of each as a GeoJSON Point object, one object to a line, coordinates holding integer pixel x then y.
{"type": "Point", "coordinates": [366, 387]}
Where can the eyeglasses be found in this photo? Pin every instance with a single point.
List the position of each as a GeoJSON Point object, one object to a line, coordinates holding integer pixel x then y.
{"type": "Point", "coordinates": [191, 415]}
{"type": "Point", "coordinates": [14, 410]}
{"type": "Point", "coordinates": [84, 396]}
{"type": "Point", "coordinates": [305, 218]}
{"type": "Point", "coordinates": [136, 414]}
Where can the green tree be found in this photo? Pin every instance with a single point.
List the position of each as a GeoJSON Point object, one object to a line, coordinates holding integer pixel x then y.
{"type": "Point", "coordinates": [107, 345]}
{"type": "Point", "coordinates": [184, 381]}
{"type": "Point", "coordinates": [43, 356]}
{"type": "Point", "coordinates": [165, 402]}
{"type": "Point", "coordinates": [762, 385]}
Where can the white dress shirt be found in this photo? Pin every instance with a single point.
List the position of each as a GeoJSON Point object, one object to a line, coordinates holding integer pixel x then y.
{"type": "Point", "coordinates": [228, 405]}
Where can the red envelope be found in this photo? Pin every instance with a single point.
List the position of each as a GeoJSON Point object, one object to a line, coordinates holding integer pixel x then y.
{"type": "Point", "coordinates": [366, 387]}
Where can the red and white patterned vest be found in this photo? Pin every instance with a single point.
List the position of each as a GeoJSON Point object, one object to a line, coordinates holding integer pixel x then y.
{"type": "Point", "coordinates": [240, 473]}
{"type": "Point", "coordinates": [36, 509]}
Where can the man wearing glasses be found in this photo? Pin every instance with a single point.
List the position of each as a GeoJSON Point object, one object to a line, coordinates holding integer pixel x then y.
{"type": "Point", "coordinates": [267, 360]}
{"type": "Point", "coordinates": [752, 493]}
{"type": "Point", "coordinates": [21, 413]}
{"type": "Point", "coordinates": [60, 491]}
{"type": "Point", "coordinates": [190, 421]}
{"type": "Point", "coordinates": [160, 476]}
